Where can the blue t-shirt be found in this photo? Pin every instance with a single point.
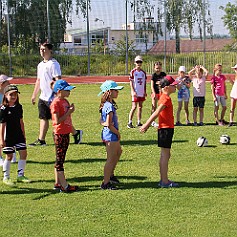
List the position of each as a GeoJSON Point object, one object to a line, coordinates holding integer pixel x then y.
{"type": "Point", "coordinates": [107, 135]}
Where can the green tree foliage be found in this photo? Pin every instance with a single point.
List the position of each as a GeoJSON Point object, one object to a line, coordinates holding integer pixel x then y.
{"type": "Point", "coordinates": [178, 15]}
{"type": "Point", "coordinates": [29, 23]}
{"type": "Point", "coordinates": [230, 18]}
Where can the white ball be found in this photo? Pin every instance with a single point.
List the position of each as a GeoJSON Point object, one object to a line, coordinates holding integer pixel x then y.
{"type": "Point", "coordinates": [225, 139]}
{"type": "Point", "coordinates": [202, 141]}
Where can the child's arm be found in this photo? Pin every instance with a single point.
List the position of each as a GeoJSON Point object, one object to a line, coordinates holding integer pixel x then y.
{"type": "Point", "coordinates": [213, 92]}
{"type": "Point", "coordinates": [205, 71]}
{"type": "Point", "coordinates": [153, 94]}
{"type": "Point", "coordinates": [147, 124]}
{"type": "Point", "coordinates": [133, 92]}
{"type": "Point", "coordinates": [22, 127]}
{"type": "Point", "coordinates": [109, 121]}
{"type": "Point", "coordinates": [36, 91]}
{"type": "Point", "coordinates": [190, 73]}
{"type": "Point", "coordinates": [58, 119]}
{"type": "Point", "coordinates": [2, 133]}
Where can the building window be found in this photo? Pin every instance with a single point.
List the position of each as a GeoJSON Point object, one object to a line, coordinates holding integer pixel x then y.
{"type": "Point", "coordinates": [77, 40]}
{"type": "Point", "coordinates": [141, 38]}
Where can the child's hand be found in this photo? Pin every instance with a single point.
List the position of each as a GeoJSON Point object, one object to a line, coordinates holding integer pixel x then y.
{"type": "Point", "coordinates": [72, 108]}
{"type": "Point", "coordinates": [2, 144]}
{"type": "Point", "coordinates": [143, 128]}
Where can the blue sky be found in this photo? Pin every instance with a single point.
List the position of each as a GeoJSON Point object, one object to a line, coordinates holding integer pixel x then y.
{"type": "Point", "coordinates": [112, 13]}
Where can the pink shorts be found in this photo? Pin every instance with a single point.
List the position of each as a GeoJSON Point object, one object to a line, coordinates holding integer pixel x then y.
{"type": "Point", "coordinates": [137, 99]}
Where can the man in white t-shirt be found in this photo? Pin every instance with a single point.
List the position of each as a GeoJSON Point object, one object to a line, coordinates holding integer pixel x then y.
{"type": "Point", "coordinates": [47, 70]}
{"type": "Point", "coordinates": [138, 91]}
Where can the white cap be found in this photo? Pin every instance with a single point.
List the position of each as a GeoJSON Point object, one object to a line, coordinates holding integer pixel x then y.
{"type": "Point", "coordinates": [4, 78]}
{"type": "Point", "coordinates": [235, 66]}
{"type": "Point", "coordinates": [182, 69]}
{"type": "Point", "coordinates": [138, 58]}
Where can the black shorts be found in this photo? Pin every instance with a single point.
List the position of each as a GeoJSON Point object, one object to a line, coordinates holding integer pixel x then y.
{"type": "Point", "coordinates": [44, 109]}
{"type": "Point", "coordinates": [199, 102]}
{"type": "Point", "coordinates": [165, 136]}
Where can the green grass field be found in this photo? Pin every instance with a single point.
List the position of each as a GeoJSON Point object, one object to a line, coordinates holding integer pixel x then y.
{"type": "Point", "coordinates": [204, 205]}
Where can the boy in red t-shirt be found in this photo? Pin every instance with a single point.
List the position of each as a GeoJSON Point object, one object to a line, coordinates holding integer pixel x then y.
{"type": "Point", "coordinates": [166, 128]}
{"type": "Point", "coordinates": [61, 112]}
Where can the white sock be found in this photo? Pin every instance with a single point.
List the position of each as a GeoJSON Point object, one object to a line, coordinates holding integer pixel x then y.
{"type": "Point", "coordinates": [6, 169]}
{"type": "Point", "coordinates": [129, 121]}
{"type": "Point", "coordinates": [21, 167]}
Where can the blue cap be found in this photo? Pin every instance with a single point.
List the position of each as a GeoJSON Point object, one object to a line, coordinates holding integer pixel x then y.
{"type": "Point", "coordinates": [60, 85]}
{"type": "Point", "coordinates": [109, 85]}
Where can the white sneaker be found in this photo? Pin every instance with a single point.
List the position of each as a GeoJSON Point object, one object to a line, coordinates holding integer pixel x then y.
{"type": "Point", "coordinates": [1, 161]}
{"type": "Point", "coordinates": [14, 158]}
{"type": "Point", "coordinates": [154, 124]}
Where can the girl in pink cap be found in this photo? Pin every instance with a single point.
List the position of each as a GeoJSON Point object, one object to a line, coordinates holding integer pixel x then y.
{"type": "Point", "coordinates": [233, 97]}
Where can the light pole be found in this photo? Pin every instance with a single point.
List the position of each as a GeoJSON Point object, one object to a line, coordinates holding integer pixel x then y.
{"type": "Point", "coordinates": [126, 29]}
{"type": "Point", "coordinates": [9, 40]}
{"type": "Point", "coordinates": [97, 19]}
{"type": "Point", "coordinates": [48, 21]}
{"type": "Point", "coordinates": [204, 32]}
{"type": "Point", "coordinates": [165, 35]}
{"type": "Point", "coordinates": [88, 38]}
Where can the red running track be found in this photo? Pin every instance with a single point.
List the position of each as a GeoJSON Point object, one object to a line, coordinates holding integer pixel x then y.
{"type": "Point", "coordinates": [92, 79]}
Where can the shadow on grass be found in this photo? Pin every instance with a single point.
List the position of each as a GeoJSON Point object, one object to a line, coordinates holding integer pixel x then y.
{"type": "Point", "coordinates": [209, 184]}
{"type": "Point", "coordinates": [128, 142]}
{"type": "Point", "coordinates": [87, 160]}
{"type": "Point", "coordinates": [180, 141]}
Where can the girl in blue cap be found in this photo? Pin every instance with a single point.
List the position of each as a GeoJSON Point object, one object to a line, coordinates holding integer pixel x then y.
{"type": "Point", "coordinates": [110, 132]}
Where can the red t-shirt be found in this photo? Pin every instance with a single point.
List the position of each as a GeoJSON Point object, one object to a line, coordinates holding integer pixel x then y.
{"type": "Point", "coordinates": [166, 117]}
{"type": "Point", "coordinates": [61, 106]}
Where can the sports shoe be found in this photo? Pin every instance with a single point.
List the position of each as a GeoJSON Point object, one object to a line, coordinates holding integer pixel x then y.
{"type": "Point", "coordinates": [139, 124]}
{"type": "Point", "coordinates": [224, 122]}
{"type": "Point", "coordinates": [231, 124]}
{"type": "Point", "coordinates": [38, 142]}
{"type": "Point", "coordinates": [129, 125]}
{"type": "Point", "coordinates": [195, 124]}
{"type": "Point", "coordinates": [69, 189]}
{"type": "Point", "coordinates": [23, 179]}
{"type": "Point", "coordinates": [200, 124]}
{"type": "Point", "coordinates": [154, 124]}
{"type": "Point", "coordinates": [114, 180]}
{"type": "Point", "coordinates": [1, 161]}
{"type": "Point", "coordinates": [14, 158]}
{"type": "Point", "coordinates": [220, 123]}
{"type": "Point", "coordinates": [178, 123]}
{"type": "Point", "coordinates": [78, 137]}
{"type": "Point", "coordinates": [57, 186]}
{"type": "Point", "coordinates": [8, 182]}
{"type": "Point", "coordinates": [188, 122]}
{"type": "Point", "coordinates": [170, 184]}
{"type": "Point", "coordinates": [108, 186]}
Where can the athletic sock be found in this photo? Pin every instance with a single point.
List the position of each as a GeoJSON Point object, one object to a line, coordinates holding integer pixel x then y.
{"type": "Point", "coordinates": [21, 167]}
{"type": "Point", "coordinates": [6, 169]}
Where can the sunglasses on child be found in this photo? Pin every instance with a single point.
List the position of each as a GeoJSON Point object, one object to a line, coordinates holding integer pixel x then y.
{"type": "Point", "coordinates": [138, 61]}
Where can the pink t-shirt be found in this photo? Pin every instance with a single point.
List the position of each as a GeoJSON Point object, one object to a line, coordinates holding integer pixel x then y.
{"type": "Point", "coordinates": [61, 106]}
{"type": "Point", "coordinates": [199, 86]}
{"type": "Point", "coordinates": [219, 84]}
{"type": "Point", "coordinates": [139, 81]}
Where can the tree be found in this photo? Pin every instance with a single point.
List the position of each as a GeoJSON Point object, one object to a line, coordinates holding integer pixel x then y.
{"type": "Point", "coordinates": [230, 18]}
{"type": "Point", "coordinates": [179, 14]}
{"type": "Point", "coordinates": [29, 25]}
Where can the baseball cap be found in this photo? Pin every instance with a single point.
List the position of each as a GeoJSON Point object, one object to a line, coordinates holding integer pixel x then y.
{"type": "Point", "coordinates": [11, 88]}
{"type": "Point", "coordinates": [167, 81]}
{"type": "Point", "coordinates": [182, 69]}
{"type": "Point", "coordinates": [109, 85]}
{"type": "Point", "coordinates": [138, 58]}
{"type": "Point", "coordinates": [4, 78]}
{"type": "Point", "coordinates": [60, 85]}
{"type": "Point", "coordinates": [235, 66]}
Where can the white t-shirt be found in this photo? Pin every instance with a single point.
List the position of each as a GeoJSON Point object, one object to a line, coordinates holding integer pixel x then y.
{"type": "Point", "coordinates": [199, 87]}
{"type": "Point", "coordinates": [139, 81]}
{"type": "Point", "coordinates": [45, 72]}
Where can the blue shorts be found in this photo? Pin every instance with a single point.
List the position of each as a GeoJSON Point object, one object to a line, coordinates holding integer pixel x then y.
{"type": "Point", "coordinates": [108, 136]}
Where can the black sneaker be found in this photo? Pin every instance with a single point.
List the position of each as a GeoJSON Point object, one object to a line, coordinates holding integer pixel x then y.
{"type": "Point", "coordinates": [38, 142]}
{"type": "Point", "coordinates": [69, 189]}
{"type": "Point", "coordinates": [108, 186]}
{"type": "Point", "coordinates": [78, 137]}
{"type": "Point", "coordinates": [114, 180]}
{"type": "Point", "coordinates": [129, 125]}
{"type": "Point", "coordinates": [139, 124]}
{"type": "Point", "coordinates": [57, 186]}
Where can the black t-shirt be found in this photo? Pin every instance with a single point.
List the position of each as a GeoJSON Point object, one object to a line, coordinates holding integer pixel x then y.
{"type": "Point", "coordinates": [12, 116]}
{"type": "Point", "coordinates": [156, 78]}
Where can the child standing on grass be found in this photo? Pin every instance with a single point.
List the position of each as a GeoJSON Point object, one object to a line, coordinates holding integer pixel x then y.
{"type": "Point", "coordinates": [155, 92]}
{"type": "Point", "coordinates": [233, 97]}
{"type": "Point", "coordinates": [165, 130]}
{"type": "Point", "coordinates": [110, 133]}
{"type": "Point", "coordinates": [198, 76]}
{"type": "Point", "coordinates": [138, 91]}
{"type": "Point", "coordinates": [183, 94]}
{"type": "Point", "coordinates": [12, 134]}
{"type": "Point", "coordinates": [218, 88]}
{"type": "Point", "coordinates": [61, 111]}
